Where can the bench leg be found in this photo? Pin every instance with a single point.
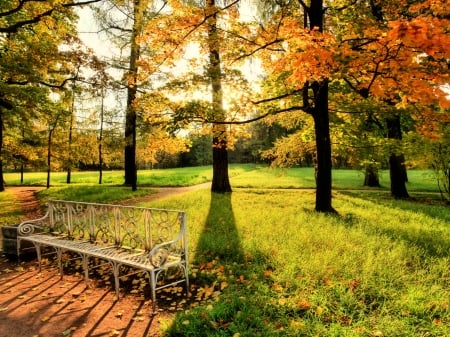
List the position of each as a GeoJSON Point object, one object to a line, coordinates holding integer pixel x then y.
{"type": "Point", "coordinates": [59, 253]}
{"type": "Point", "coordinates": [37, 246]}
{"type": "Point", "coordinates": [153, 277]}
{"type": "Point", "coordinates": [85, 263]}
{"type": "Point", "coordinates": [116, 273]}
{"type": "Point", "coordinates": [186, 276]}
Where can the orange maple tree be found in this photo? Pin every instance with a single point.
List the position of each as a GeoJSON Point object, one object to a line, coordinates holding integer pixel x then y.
{"type": "Point", "coordinates": [393, 52]}
{"type": "Point", "coordinates": [199, 82]}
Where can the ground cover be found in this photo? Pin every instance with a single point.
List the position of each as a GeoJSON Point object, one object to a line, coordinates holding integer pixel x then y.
{"type": "Point", "coordinates": [241, 175]}
{"type": "Point", "coordinates": [264, 263]}
{"type": "Point", "coordinates": [276, 268]}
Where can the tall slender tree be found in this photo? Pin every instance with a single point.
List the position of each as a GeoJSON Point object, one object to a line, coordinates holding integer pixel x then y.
{"type": "Point", "coordinates": [220, 181]}
{"type": "Point", "coordinates": [211, 90]}
{"type": "Point", "coordinates": [34, 56]}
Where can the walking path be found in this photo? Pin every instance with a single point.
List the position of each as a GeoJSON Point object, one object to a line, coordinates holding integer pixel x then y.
{"type": "Point", "coordinates": [31, 208]}
{"type": "Point", "coordinates": [40, 304]}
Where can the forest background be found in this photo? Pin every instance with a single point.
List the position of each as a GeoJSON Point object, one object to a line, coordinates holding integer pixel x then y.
{"type": "Point", "coordinates": [354, 84]}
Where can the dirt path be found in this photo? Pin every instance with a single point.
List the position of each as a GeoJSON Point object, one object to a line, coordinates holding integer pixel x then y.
{"type": "Point", "coordinates": [164, 192]}
{"type": "Point", "coordinates": [29, 203]}
{"type": "Point", "coordinates": [34, 304]}
{"type": "Point", "coordinates": [31, 208]}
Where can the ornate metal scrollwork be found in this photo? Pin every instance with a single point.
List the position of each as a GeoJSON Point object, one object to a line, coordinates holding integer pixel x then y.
{"type": "Point", "coordinates": [25, 229]}
{"type": "Point", "coordinates": [158, 257]}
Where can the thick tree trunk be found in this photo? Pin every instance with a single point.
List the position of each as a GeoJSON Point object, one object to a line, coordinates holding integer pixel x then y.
{"type": "Point", "coordinates": [397, 168]}
{"type": "Point", "coordinates": [130, 118]}
{"type": "Point", "coordinates": [371, 177]}
{"type": "Point", "coordinates": [320, 115]}
{"type": "Point", "coordinates": [221, 181]}
{"type": "Point", "coordinates": [396, 174]}
{"type": "Point", "coordinates": [323, 147]}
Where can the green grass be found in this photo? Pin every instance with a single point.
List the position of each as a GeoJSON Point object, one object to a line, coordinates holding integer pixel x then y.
{"type": "Point", "coordinates": [10, 212]}
{"type": "Point", "coordinates": [303, 177]}
{"type": "Point", "coordinates": [263, 263]}
{"type": "Point", "coordinates": [241, 175]}
{"type": "Point", "coordinates": [93, 193]}
{"type": "Point", "coordinates": [168, 177]}
{"type": "Point", "coordinates": [381, 265]}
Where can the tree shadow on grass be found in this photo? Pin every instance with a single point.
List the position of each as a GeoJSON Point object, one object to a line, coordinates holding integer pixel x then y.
{"type": "Point", "coordinates": [219, 238]}
{"type": "Point", "coordinates": [225, 279]}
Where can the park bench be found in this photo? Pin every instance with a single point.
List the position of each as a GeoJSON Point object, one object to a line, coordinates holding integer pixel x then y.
{"type": "Point", "coordinates": [131, 239]}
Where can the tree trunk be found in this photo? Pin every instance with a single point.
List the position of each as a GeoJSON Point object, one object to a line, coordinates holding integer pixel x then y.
{"type": "Point", "coordinates": [130, 118]}
{"type": "Point", "coordinates": [448, 179]}
{"type": "Point", "coordinates": [397, 168]}
{"type": "Point", "coordinates": [100, 141]}
{"type": "Point", "coordinates": [323, 147]}
{"type": "Point", "coordinates": [22, 168]}
{"type": "Point", "coordinates": [49, 155]}
{"type": "Point", "coordinates": [69, 154]}
{"type": "Point", "coordinates": [221, 181]}
{"type": "Point", "coordinates": [2, 182]}
{"type": "Point", "coordinates": [320, 115]}
{"type": "Point", "coordinates": [22, 165]}
{"type": "Point", "coordinates": [371, 177]}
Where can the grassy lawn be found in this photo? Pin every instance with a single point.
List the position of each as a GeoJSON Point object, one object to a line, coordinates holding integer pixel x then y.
{"type": "Point", "coordinates": [241, 175]}
{"type": "Point", "coordinates": [380, 268]}
{"type": "Point", "coordinates": [9, 209]}
{"type": "Point", "coordinates": [263, 263]}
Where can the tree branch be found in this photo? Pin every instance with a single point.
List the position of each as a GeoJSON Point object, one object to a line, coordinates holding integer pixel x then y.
{"type": "Point", "coordinates": [275, 98]}
{"type": "Point", "coordinates": [251, 120]}
{"type": "Point", "coordinates": [13, 28]}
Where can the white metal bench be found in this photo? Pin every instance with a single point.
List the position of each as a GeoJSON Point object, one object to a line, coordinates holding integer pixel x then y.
{"type": "Point", "coordinates": [143, 239]}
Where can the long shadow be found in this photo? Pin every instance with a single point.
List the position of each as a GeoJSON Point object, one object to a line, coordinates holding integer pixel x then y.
{"type": "Point", "coordinates": [219, 237]}
{"type": "Point", "coordinates": [220, 256]}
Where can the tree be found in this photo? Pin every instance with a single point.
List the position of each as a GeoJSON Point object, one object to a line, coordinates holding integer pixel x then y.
{"type": "Point", "coordinates": [220, 180]}
{"type": "Point", "coordinates": [369, 46]}
{"type": "Point", "coordinates": [212, 91]}
{"type": "Point", "coordinates": [396, 53]}
{"type": "Point", "coordinates": [123, 22]}
{"type": "Point", "coordinates": [34, 56]}
{"type": "Point", "coordinates": [300, 76]}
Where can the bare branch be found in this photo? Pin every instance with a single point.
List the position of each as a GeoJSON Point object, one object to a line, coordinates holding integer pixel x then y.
{"type": "Point", "coordinates": [13, 28]}
{"type": "Point", "coordinates": [251, 120]}
{"type": "Point", "coordinates": [275, 98]}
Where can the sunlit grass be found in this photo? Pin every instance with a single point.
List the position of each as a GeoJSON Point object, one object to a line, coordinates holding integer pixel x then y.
{"type": "Point", "coordinates": [168, 177]}
{"type": "Point", "coordinates": [93, 193]}
{"type": "Point", "coordinates": [241, 175]}
{"type": "Point", "coordinates": [10, 211]}
{"type": "Point", "coordinates": [379, 267]}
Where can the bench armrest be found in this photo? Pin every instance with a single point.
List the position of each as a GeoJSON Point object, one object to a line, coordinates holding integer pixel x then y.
{"type": "Point", "coordinates": [29, 227]}
{"type": "Point", "coordinates": [159, 255]}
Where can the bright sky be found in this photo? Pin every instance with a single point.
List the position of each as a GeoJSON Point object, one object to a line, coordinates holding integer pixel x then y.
{"type": "Point", "coordinates": [87, 29]}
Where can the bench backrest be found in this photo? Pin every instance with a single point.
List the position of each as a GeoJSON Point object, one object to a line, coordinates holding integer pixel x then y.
{"type": "Point", "coordinates": [127, 226]}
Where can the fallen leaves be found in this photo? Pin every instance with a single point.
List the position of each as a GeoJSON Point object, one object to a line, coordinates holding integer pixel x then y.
{"type": "Point", "coordinates": [45, 319]}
